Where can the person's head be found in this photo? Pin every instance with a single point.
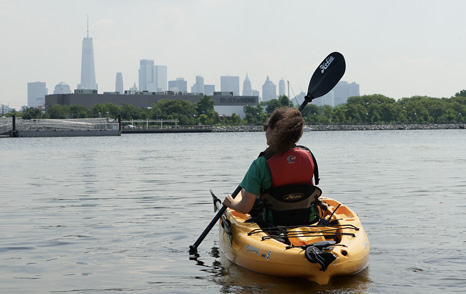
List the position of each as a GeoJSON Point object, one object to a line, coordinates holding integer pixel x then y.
{"type": "Point", "coordinates": [284, 128]}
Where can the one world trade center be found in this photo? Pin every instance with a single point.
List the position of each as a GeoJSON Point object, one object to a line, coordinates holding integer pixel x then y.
{"type": "Point", "coordinates": [87, 64]}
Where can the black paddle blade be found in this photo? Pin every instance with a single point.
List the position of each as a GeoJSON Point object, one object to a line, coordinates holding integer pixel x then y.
{"type": "Point", "coordinates": [326, 76]}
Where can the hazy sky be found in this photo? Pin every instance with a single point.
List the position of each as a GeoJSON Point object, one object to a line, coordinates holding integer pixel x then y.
{"type": "Point", "coordinates": [398, 48]}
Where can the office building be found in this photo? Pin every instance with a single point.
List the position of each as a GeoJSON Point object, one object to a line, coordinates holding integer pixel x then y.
{"type": "Point", "coordinates": [224, 105]}
{"type": "Point", "coordinates": [343, 90]}
{"type": "Point", "coordinates": [88, 80]}
{"type": "Point", "coordinates": [281, 88]}
{"type": "Point", "coordinates": [179, 85]}
{"type": "Point", "coordinates": [119, 83]}
{"type": "Point", "coordinates": [146, 79]}
{"type": "Point", "coordinates": [62, 88]}
{"type": "Point", "coordinates": [209, 90]}
{"type": "Point", "coordinates": [36, 94]}
{"type": "Point", "coordinates": [269, 90]}
{"type": "Point", "coordinates": [198, 87]}
{"type": "Point", "coordinates": [229, 84]}
{"type": "Point", "coordinates": [160, 78]}
{"type": "Point", "coordinates": [247, 90]}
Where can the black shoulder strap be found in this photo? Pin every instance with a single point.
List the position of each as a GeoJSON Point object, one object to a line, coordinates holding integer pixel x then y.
{"type": "Point", "coordinates": [316, 167]}
{"type": "Point", "coordinates": [267, 153]}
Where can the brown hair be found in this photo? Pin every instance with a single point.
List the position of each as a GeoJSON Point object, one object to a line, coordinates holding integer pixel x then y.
{"type": "Point", "coordinates": [287, 126]}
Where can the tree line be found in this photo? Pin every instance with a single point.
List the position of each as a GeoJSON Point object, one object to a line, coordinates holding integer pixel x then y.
{"type": "Point", "coordinates": [367, 109]}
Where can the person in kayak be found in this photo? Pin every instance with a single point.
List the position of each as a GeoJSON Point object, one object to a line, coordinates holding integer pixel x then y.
{"type": "Point", "coordinates": [281, 166]}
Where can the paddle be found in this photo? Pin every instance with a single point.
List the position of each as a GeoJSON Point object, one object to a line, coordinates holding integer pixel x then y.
{"type": "Point", "coordinates": [325, 77]}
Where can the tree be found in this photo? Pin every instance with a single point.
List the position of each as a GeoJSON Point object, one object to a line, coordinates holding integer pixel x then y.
{"type": "Point", "coordinates": [58, 111]}
{"type": "Point", "coordinates": [181, 110]}
{"type": "Point", "coordinates": [285, 101]}
{"type": "Point", "coordinates": [31, 112]}
{"type": "Point", "coordinates": [206, 106]}
{"type": "Point", "coordinates": [235, 119]}
{"type": "Point", "coordinates": [461, 93]}
{"type": "Point", "coordinates": [255, 114]}
{"type": "Point", "coordinates": [78, 111]}
{"type": "Point", "coordinates": [271, 105]}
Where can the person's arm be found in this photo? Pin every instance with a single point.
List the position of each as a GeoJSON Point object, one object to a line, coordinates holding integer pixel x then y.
{"type": "Point", "coordinates": [244, 205]}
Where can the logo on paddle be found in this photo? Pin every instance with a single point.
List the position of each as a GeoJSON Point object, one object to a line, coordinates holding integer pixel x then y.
{"type": "Point", "coordinates": [326, 64]}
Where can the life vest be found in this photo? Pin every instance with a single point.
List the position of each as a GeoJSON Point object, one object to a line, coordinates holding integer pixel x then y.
{"type": "Point", "coordinates": [292, 198]}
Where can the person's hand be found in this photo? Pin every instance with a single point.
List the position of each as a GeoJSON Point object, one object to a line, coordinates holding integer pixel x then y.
{"type": "Point", "coordinates": [228, 201]}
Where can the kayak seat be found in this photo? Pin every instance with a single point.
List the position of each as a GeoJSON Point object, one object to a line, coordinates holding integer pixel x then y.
{"type": "Point", "coordinates": [291, 205]}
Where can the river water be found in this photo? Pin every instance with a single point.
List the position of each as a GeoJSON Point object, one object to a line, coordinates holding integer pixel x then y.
{"type": "Point", "coordinates": [117, 214]}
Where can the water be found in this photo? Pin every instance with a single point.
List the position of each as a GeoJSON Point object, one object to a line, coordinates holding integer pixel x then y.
{"type": "Point", "coordinates": [117, 214]}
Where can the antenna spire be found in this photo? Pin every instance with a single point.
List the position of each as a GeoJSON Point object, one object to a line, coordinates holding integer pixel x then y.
{"type": "Point", "coordinates": [88, 26]}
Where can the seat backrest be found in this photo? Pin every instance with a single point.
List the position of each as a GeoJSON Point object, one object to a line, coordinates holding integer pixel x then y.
{"type": "Point", "coordinates": [291, 205]}
{"type": "Point", "coordinates": [291, 197]}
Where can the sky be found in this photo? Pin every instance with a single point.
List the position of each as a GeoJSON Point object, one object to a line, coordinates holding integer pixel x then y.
{"type": "Point", "coordinates": [397, 48]}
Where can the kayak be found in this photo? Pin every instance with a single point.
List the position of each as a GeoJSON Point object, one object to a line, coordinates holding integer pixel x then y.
{"type": "Point", "coordinates": [337, 245]}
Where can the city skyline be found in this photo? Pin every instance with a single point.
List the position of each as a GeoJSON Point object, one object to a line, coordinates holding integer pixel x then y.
{"type": "Point", "coordinates": [421, 53]}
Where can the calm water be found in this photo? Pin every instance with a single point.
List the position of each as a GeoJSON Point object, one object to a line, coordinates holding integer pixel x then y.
{"type": "Point", "coordinates": [117, 214]}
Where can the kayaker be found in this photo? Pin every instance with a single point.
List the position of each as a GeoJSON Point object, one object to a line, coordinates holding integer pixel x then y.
{"type": "Point", "coordinates": [283, 163]}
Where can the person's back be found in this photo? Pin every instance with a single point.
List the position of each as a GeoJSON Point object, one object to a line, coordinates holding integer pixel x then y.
{"type": "Point", "coordinates": [283, 164]}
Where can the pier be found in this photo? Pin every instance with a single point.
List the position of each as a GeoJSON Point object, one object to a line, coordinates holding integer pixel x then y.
{"type": "Point", "coordinates": [18, 127]}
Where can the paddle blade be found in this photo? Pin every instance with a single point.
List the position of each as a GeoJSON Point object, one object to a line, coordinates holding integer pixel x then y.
{"type": "Point", "coordinates": [326, 76]}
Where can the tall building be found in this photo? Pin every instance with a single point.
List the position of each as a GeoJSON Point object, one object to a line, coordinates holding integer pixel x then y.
{"type": "Point", "coordinates": [36, 94]}
{"type": "Point", "coordinates": [199, 85]}
{"type": "Point", "coordinates": [146, 75]}
{"type": "Point", "coordinates": [269, 90]}
{"type": "Point", "coordinates": [281, 87]}
{"type": "Point", "coordinates": [133, 89]}
{"type": "Point", "coordinates": [209, 90]}
{"type": "Point", "coordinates": [230, 84]}
{"type": "Point", "coordinates": [179, 85]}
{"type": "Point", "coordinates": [247, 90]}
{"type": "Point", "coordinates": [343, 90]}
{"type": "Point", "coordinates": [62, 88]}
{"type": "Point", "coordinates": [87, 64]}
{"type": "Point", "coordinates": [119, 83]}
{"type": "Point", "coordinates": [160, 78]}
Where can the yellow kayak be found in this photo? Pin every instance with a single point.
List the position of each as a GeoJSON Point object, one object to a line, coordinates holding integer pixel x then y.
{"type": "Point", "coordinates": [337, 246]}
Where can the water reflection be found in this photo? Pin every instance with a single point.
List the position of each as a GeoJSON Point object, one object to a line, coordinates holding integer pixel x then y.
{"type": "Point", "coordinates": [235, 279]}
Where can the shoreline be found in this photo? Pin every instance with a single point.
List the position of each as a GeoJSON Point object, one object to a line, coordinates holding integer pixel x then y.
{"type": "Point", "coordinates": [255, 128]}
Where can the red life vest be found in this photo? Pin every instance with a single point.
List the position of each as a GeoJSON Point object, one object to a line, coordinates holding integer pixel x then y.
{"type": "Point", "coordinates": [288, 202]}
{"type": "Point", "coordinates": [295, 166]}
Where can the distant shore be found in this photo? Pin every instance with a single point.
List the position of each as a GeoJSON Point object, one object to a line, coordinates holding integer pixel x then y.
{"type": "Point", "coordinates": [259, 128]}
{"type": "Point", "coordinates": [313, 128]}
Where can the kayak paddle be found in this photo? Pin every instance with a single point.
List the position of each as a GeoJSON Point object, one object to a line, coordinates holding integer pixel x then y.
{"type": "Point", "coordinates": [325, 77]}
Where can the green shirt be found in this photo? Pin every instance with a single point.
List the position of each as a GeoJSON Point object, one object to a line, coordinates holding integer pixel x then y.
{"type": "Point", "coordinates": [257, 177]}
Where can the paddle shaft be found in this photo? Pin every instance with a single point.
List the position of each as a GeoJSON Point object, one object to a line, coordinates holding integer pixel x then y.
{"type": "Point", "coordinates": [193, 248]}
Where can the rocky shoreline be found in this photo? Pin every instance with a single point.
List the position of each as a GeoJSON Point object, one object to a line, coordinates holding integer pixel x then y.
{"type": "Point", "coordinates": [349, 127]}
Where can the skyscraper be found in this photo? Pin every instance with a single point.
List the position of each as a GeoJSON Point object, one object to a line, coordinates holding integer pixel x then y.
{"type": "Point", "coordinates": [199, 85]}
{"type": "Point", "coordinates": [281, 87]}
{"type": "Point", "coordinates": [180, 85]}
{"type": "Point", "coordinates": [269, 90]}
{"type": "Point", "coordinates": [62, 88]}
{"type": "Point", "coordinates": [161, 78]}
{"type": "Point", "coordinates": [87, 64]}
{"type": "Point", "coordinates": [36, 94]}
{"type": "Point", "coordinates": [209, 90]}
{"type": "Point", "coordinates": [119, 83]}
{"type": "Point", "coordinates": [343, 90]}
{"type": "Point", "coordinates": [230, 84]}
{"type": "Point", "coordinates": [146, 79]}
{"type": "Point", "coordinates": [247, 90]}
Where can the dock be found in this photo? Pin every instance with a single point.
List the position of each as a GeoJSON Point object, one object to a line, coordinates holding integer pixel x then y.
{"type": "Point", "coordinates": [18, 127]}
